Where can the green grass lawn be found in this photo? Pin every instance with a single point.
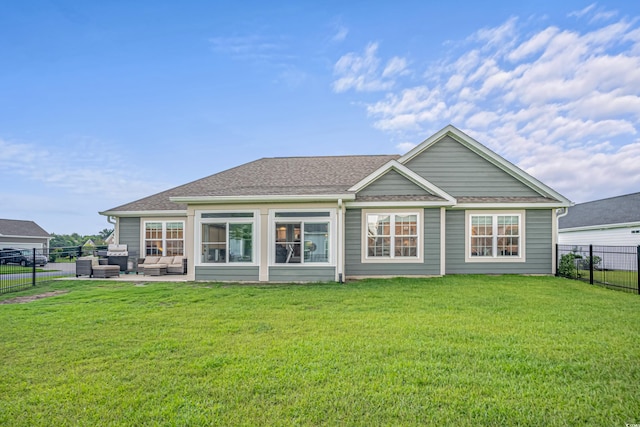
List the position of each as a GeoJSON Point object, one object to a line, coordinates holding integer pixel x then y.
{"type": "Point", "coordinates": [24, 279]}
{"type": "Point", "coordinates": [617, 278]}
{"type": "Point", "coordinates": [16, 269]}
{"type": "Point", "coordinates": [469, 350]}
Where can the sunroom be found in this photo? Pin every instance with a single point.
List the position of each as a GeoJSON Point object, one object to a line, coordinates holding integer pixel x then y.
{"type": "Point", "coordinates": [266, 244]}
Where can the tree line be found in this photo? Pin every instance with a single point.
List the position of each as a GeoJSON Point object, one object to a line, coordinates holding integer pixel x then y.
{"type": "Point", "coordinates": [75, 239]}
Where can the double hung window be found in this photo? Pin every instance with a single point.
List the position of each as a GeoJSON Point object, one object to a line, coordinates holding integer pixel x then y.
{"type": "Point", "coordinates": [227, 237]}
{"type": "Point", "coordinates": [164, 238]}
{"type": "Point", "coordinates": [495, 236]}
{"type": "Point", "coordinates": [392, 236]}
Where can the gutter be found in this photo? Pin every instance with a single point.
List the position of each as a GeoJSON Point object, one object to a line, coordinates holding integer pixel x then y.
{"type": "Point", "coordinates": [112, 220]}
{"type": "Point", "coordinates": [564, 213]}
{"type": "Point", "coordinates": [149, 213]}
{"type": "Point", "coordinates": [263, 199]}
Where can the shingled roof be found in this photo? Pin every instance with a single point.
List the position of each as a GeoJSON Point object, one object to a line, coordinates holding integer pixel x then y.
{"type": "Point", "coordinates": [294, 176]}
{"type": "Point", "coordinates": [19, 228]}
{"type": "Point", "coordinates": [614, 210]}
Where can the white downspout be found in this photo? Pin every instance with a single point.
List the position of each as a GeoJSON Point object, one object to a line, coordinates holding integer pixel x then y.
{"type": "Point", "coordinates": [115, 228]}
{"type": "Point", "coordinates": [443, 240]}
{"type": "Point", "coordinates": [340, 243]}
{"type": "Point", "coordinates": [554, 237]}
{"type": "Point", "coordinates": [566, 211]}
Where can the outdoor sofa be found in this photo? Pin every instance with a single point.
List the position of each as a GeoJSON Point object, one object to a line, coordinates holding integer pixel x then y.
{"type": "Point", "coordinates": [90, 266]}
{"type": "Point", "coordinates": [159, 266]}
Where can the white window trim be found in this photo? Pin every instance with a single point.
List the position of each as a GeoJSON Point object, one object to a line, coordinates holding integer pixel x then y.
{"type": "Point", "coordinates": [143, 249]}
{"type": "Point", "coordinates": [198, 238]}
{"type": "Point", "coordinates": [333, 233]}
{"type": "Point", "coordinates": [365, 259]}
{"type": "Point", "coordinates": [495, 258]}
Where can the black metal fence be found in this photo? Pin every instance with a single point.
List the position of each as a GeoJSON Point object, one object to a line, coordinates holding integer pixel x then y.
{"type": "Point", "coordinates": [24, 268]}
{"type": "Point", "coordinates": [614, 267]}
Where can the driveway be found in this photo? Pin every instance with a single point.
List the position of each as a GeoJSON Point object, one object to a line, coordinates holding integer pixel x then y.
{"type": "Point", "coordinates": [52, 269]}
{"type": "Point", "coordinates": [59, 269]}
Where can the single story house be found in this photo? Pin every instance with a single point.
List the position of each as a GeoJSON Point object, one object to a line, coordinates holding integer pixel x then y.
{"type": "Point", "coordinates": [614, 221]}
{"type": "Point", "coordinates": [448, 206]}
{"type": "Point", "coordinates": [21, 234]}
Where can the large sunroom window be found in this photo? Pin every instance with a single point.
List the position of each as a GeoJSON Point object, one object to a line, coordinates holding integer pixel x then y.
{"type": "Point", "coordinates": [164, 238]}
{"type": "Point", "coordinates": [227, 238]}
{"type": "Point", "coordinates": [302, 237]}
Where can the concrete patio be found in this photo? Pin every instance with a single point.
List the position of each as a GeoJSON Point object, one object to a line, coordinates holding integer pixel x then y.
{"type": "Point", "coordinates": [139, 278]}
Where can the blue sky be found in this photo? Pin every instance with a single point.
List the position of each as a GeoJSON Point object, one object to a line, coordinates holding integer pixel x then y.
{"type": "Point", "coordinates": [103, 103]}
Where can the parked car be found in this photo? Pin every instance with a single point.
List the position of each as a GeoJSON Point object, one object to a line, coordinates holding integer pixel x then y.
{"type": "Point", "coordinates": [23, 257]}
{"type": "Point", "coordinates": [41, 260]}
{"type": "Point", "coordinates": [12, 256]}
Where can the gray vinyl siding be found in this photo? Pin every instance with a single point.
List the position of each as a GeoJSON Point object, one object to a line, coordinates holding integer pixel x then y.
{"type": "Point", "coordinates": [353, 249]}
{"type": "Point", "coordinates": [538, 249]}
{"type": "Point", "coordinates": [432, 241]}
{"type": "Point", "coordinates": [460, 172]}
{"type": "Point", "coordinates": [302, 274]}
{"type": "Point", "coordinates": [392, 184]}
{"type": "Point", "coordinates": [539, 240]}
{"type": "Point", "coordinates": [227, 274]}
{"type": "Point", "coordinates": [129, 234]}
{"type": "Point", "coordinates": [23, 242]}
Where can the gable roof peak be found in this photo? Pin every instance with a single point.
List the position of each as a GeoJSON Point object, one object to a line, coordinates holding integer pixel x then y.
{"type": "Point", "coordinates": [488, 155]}
{"type": "Point", "coordinates": [394, 165]}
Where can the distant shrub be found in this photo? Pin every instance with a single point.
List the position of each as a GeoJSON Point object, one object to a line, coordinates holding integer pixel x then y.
{"type": "Point", "coordinates": [567, 267]}
{"type": "Point", "coordinates": [585, 263]}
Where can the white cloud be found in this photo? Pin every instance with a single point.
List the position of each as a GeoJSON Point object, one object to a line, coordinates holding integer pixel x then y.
{"type": "Point", "coordinates": [361, 72]}
{"type": "Point", "coordinates": [603, 16]}
{"type": "Point", "coordinates": [254, 48]}
{"type": "Point", "coordinates": [395, 66]}
{"type": "Point", "coordinates": [482, 119]}
{"type": "Point", "coordinates": [500, 37]}
{"type": "Point", "coordinates": [63, 187]}
{"type": "Point", "coordinates": [582, 12]}
{"type": "Point", "coordinates": [587, 174]}
{"type": "Point", "coordinates": [535, 44]}
{"type": "Point", "coordinates": [341, 34]}
{"type": "Point", "coordinates": [563, 104]}
{"type": "Point", "coordinates": [596, 15]}
{"type": "Point", "coordinates": [405, 147]}
{"type": "Point", "coordinates": [81, 167]}
{"type": "Point", "coordinates": [242, 46]}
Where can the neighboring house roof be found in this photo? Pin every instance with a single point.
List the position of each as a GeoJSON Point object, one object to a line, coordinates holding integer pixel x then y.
{"type": "Point", "coordinates": [19, 228]}
{"type": "Point", "coordinates": [614, 210]}
{"type": "Point", "coordinates": [279, 176]}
